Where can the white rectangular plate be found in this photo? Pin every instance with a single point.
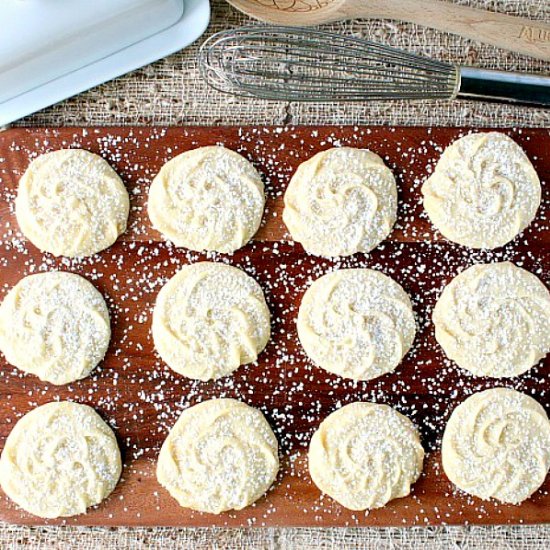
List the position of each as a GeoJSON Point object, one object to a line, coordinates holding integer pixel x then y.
{"type": "Point", "coordinates": [188, 28]}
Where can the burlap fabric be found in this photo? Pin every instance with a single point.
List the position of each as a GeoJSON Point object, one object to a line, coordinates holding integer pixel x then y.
{"type": "Point", "coordinates": [170, 92]}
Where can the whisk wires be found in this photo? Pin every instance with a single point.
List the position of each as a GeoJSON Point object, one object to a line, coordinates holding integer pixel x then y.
{"type": "Point", "coordinates": [302, 64]}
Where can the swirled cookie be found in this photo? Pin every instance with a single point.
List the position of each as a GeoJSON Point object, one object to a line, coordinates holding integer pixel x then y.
{"type": "Point", "coordinates": [341, 201]}
{"type": "Point", "coordinates": [494, 320]}
{"type": "Point", "coordinates": [209, 198]}
{"type": "Point", "coordinates": [209, 319]}
{"type": "Point", "coordinates": [54, 325]}
{"type": "Point", "coordinates": [364, 455]}
{"type": "Point", "coordinates": [497, 445]}
{"type": "Point", "coordinates": [357, 323]}
{"type": "Point", "coordinates": [71, 203]}
{"type": "Point", "coordinates": [484, 191]}
{"type": "Point", "coordinates": [60, 459]}
{"type": "Point", "coordinates": [221, 455]}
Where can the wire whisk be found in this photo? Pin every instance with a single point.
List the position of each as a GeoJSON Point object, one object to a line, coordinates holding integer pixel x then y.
{"type": "Point", "coordinates": [303, 64]}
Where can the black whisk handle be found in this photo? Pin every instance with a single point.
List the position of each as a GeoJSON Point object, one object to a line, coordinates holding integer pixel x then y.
{"type": "Point", "coordinates": [522, 89]}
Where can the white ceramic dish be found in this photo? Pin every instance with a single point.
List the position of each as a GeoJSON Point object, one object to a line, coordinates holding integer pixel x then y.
{"type": "Point", "coordinates": [124, 43]}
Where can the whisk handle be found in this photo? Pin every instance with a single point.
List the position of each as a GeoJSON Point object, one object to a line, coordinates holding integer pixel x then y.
{"type": "Point", "coordinates": [511, 87]}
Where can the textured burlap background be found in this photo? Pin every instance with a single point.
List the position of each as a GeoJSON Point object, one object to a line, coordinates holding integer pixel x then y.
{"type": "Point", "coordinates": [171, 92]}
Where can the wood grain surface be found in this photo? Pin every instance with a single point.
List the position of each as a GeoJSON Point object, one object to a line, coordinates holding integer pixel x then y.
{"type": "Point", "coordinates": [141, 398]}
{"type": "Point", "coordinates": [509, 32]}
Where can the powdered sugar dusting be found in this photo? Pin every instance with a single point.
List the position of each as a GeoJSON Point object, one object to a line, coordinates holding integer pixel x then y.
{"type": "Point", "coordinates": [142, 398]}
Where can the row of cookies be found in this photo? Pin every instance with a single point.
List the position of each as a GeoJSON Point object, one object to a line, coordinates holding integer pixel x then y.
{"type": "Point", "coordinates": [210, 318]}
{"type": "Point", "coordinates": [483, 192]}
{"type": "Point", "coordinates": [71, 203]}
{"type": "Point", "coordinates": [222, 454]}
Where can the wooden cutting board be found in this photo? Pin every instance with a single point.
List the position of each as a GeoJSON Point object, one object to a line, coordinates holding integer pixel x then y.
{"type": "Point", "coordinates": [141, 398]}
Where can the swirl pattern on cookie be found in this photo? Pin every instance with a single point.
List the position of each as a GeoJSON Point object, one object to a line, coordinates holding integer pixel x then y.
{"type": "Point", "coordinates": [54, 325]}
{"type": "Point", "coordinates": [209, 198]}
{"type": "Point", "coordinates": [364, 455]}
{"type": "Point", "coordinates": [357, 323]}
{"type": "Point", "coordinates": [341, 201]}
{"type": "Point", "coordinates": [483, 192]}
{"type": "Point", "coordinates": [497, 445]}
{"type": "Point", "coordinates": [71, 203]}
{"type": "Point", "coordinates": [221, 455]}
{"type": "Point", "coordinates": [209, 319]}
{"type": "Point", "coordinates": [494, 320]}
{"type": "Point", "coordinates": [60, 459]}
